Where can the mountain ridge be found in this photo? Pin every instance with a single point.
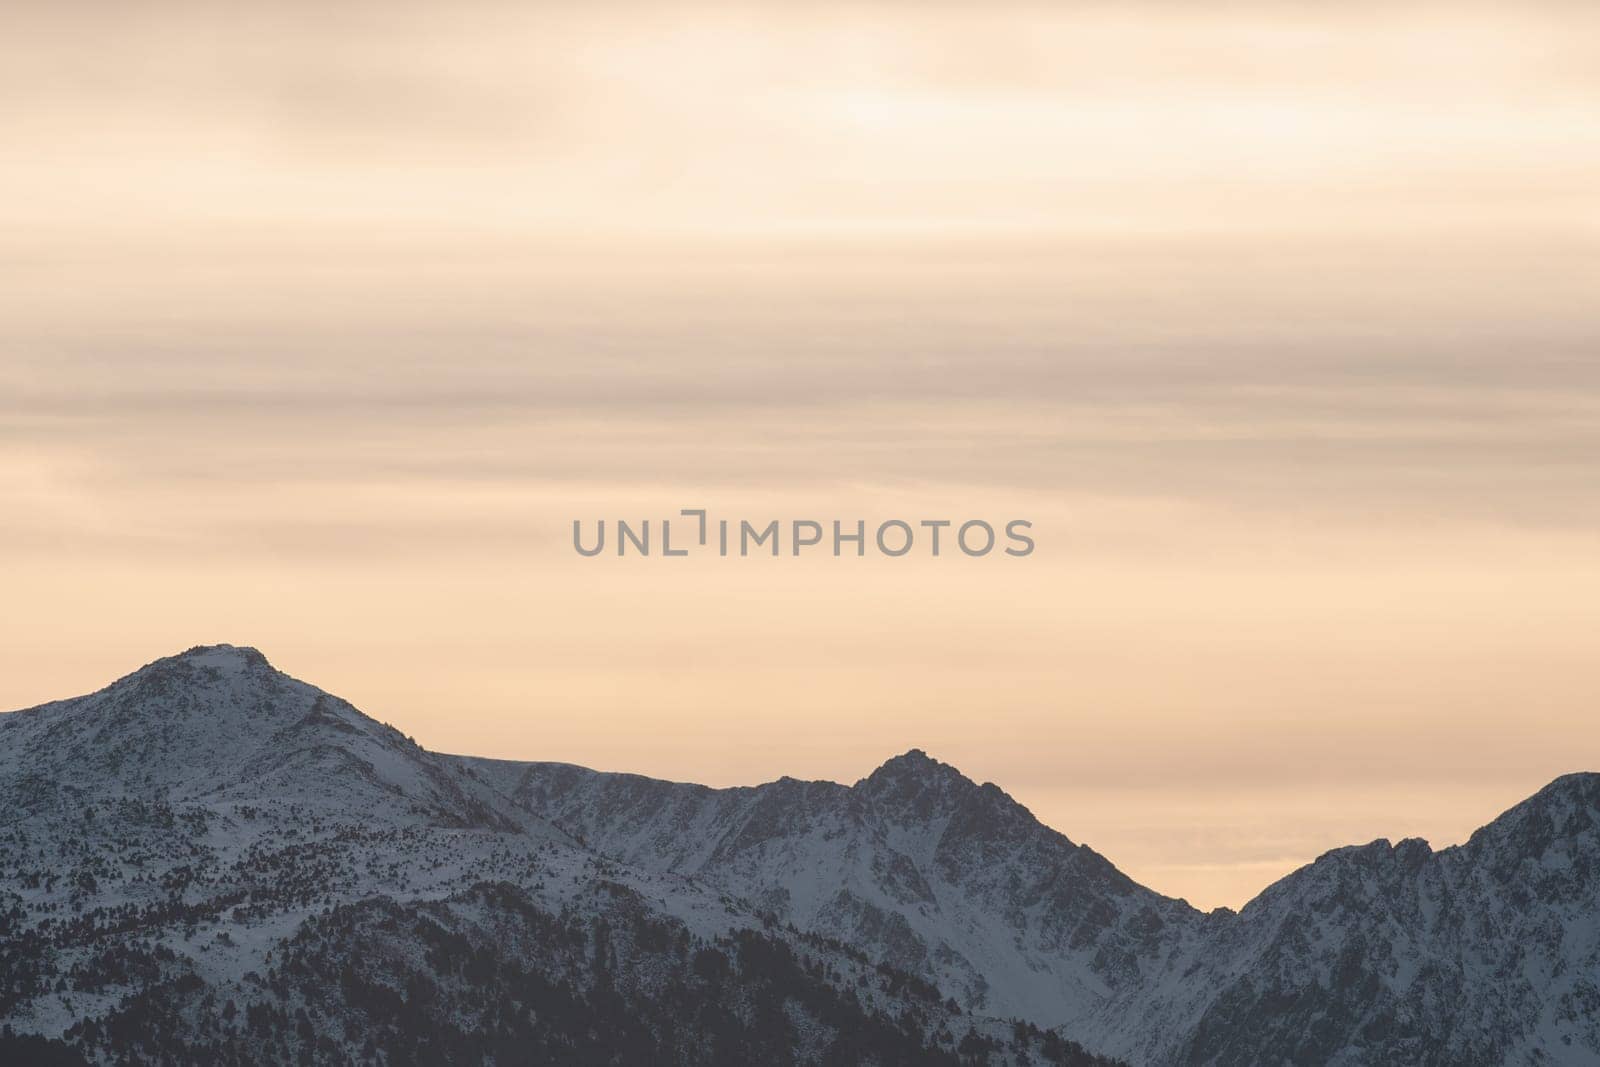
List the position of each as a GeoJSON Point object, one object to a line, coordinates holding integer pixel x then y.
{"type": "Point", "coordinates": [195, 819]}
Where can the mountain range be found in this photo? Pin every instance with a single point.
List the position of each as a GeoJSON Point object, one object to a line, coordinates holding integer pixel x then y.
{"type": "Point", "coordinates": [211, 862]}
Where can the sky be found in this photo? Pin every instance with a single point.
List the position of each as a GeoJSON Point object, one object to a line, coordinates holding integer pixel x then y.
{"type": "Point", "coordinates": [321, 323]}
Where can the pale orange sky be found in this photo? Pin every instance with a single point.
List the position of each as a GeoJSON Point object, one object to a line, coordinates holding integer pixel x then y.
{"type": "Point", "coordinates": [320, 325]}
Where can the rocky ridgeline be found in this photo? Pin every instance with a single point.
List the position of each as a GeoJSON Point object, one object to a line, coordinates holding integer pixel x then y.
{"type": "Point", "coordinates": [211, 862]}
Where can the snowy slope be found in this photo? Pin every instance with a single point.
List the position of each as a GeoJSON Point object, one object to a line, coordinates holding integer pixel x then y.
{"type": "Point", "coordinates": [208, 831]}
{"type": "Point", "coordinates": [938, 875]}
{"type": "Point", "coordinates": [1375, 954]}
{"type": "Point", "coordinates": [217, 724]}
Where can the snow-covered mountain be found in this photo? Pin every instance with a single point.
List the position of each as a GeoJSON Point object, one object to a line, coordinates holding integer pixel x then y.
{"type": "Point", "coordinates": [209, 861]}
{"type": "Point", "coordinates": [220, 725]}
{"type": "Point", "coordinates": [1486, 953]}
{"type": "Point", "coordinates": [1378, 954]}
{"type": "Point", "coordinates": [940, 876]}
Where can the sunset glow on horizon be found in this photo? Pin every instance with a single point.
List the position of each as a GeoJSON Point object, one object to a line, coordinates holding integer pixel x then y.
{"type": "Point", "coordinates": [1278, 323]}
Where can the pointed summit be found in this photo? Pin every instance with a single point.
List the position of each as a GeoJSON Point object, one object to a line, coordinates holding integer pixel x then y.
{"type": "Point", "coordinates": [915, 763]}
{"type": "Point", "coordinates": [218, 723]}
{"type": "Point", "coordinates": [916, 785]}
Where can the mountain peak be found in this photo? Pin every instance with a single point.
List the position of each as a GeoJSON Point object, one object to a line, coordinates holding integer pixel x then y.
{"type": "Point", "coordinates": [1563, 811]}
{"type": "Point", "coordinates": [919, 788]}
{"type": "Point", "coordinates": [226, 660]}
{"type": "Point", "coordinates": [219, 722]}
{"type": "Point", "coordinates": [1568, 794]}
{"type": "Point", "coordinates": [223, 657]}
{"type": "Point", "coordinates": [1578, 784]}
{"type": "Point", "coordinates": [915, 762]}
{"type": "Point", "coordinates": [204, 665]}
